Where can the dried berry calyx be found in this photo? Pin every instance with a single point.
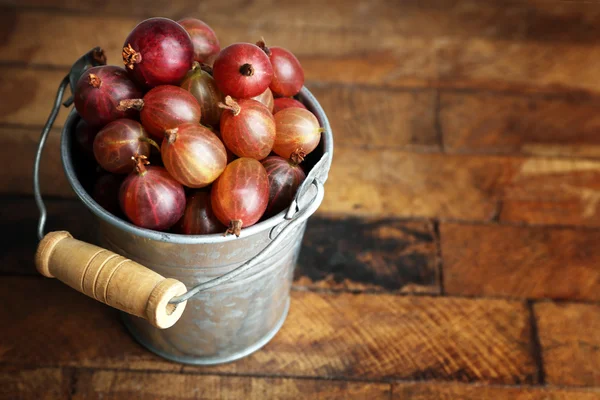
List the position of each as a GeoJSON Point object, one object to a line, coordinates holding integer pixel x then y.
{"type": "Point", "coordinates": [171, 135]}
{"type": "Point", "coordinates": [130, 56]}
{"type": "Point", "coordinates": [136, 104]}
{"type": "Point", "coordinates": [140, 162]}
{"type": "Point", "coordinates": [94, 81]}
{"type": "Point", "coordinates": [232, 105]}
{"type": "Point", "coordinates": [247, 70]}
{"type": "Point", "coordinates": [235, 228]}
{"type": "Point", "coordinates": [297, 156]}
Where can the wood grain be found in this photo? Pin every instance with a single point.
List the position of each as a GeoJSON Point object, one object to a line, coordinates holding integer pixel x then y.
{"type": "Point", "coordinates": [568, 335]}
{"type": "Point", "coordinates": [344, 336]}
{"type": "Point", "coordinates": [18, 147]}
{"type": "Point", "coordinates": [515, 261]}
{"type": "Point", "coordinates": [509, 124]}
{"type": "Point", "coordinates": [23, 383]}
{"type": "Point", "coordinates": [368, 254]}
{"type": "Point", "coordinates": [449, 56]}
{"type": "Point", "coordinates": [535, 20]}
{"type": "Point", "coordinates": [113, 385]}
{"type": "Point", "coordinates": [457, 391]}
{"type": "Point", "coordinates": [20, 216]}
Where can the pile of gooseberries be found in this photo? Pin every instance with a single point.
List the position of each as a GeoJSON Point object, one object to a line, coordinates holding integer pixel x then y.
{"type": "Point", "coordinates": [190, 138]}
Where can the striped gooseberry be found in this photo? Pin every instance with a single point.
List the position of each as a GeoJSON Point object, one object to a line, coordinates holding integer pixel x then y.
{"type": "Point", "coordinates": [193, 155]}
{"type": "Point", "coordinates": [99, 91]}
{"type": "Point", "coordinates": [284, 179]}
{"type": "Point", "coordinates": [165, 107]}
{"type": "Point", "coordinates": [298, 133]}
{"type": "Point", "coordinates": [239, 197]}
{"type": "Point", "coordinates": [247, 128]}
{"type": "Point", "coordinates": [150, 197]}
{"type": "Point", "coordinates": [117, 142]}
{"type": "Point", "coordinates": [198, 217]}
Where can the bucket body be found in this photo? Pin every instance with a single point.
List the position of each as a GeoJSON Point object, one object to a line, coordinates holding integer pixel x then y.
{"type": "Point", "coordinates": [225, 322]}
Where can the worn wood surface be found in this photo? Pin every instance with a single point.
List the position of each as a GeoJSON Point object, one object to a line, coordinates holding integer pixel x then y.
{"type": "Point", "coordinates": [451, 391]}
{"type": "Point", "coordinates": [517, 261]}
{"type": "Point", "coordinates": [454, 256]}
{"type": "Point", "coordinates": [113, 385]}
{"type": "Point", "coordinates": [570, 343]}
{"type": "Point", "coordinates": [364, 336]}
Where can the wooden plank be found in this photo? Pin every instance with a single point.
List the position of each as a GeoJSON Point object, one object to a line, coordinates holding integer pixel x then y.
{"type": "Point", "coordinates": [346, 336]}
{"type": "Point", "coordinates": [393, 255]}
{"type": "Point", "coordinates": [517, 261]}
{"type": "Point", "coordinates": [20, 216]}
{"type": "Point", "coordinates": [18, 147]}
{"type": "Point", "coordinates": [368, 254]}
{"type": "Point", "coordinates": [450, 391]}
{"type": "Point", "coordinates": [33, 383]}
{"type": "Point", "coordinates": [553, 191]}
{"type": "Point", "coordinates": [495, 123]}
{"type": "Point", "coordinates": [533, 20]}
{"type": "Point", "coordinates": [113, 385]}
{"type": "Point", "coordinates": [568, 335]}
{"type": "Point", "coordinates": [341, 55]}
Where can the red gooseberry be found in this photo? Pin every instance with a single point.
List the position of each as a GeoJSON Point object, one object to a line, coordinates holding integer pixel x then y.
{"type": "Point", "coordinates": [284, 179]}
{"type": "Point", "coordinates": [150, 197]}
{"type": "Point", "coordinates": [266, 98]}
{"type": "Point", "coordinates": [106, 192]}
{"type": "Point", "coordinates": [242, 70]}
{"type": "Point", "coordinates": [165, 107]}
{"type": "Point", "coordinates": [239, 197]}
{"type": "Point", "coordinates": [84, 137]}
{"type": "Point", "coordinates": [298, 133]}
{"type": "Point", "coordinates": [198, 217]}
{"type": "Point", "coordinates": [193, 155]}
{"type": "Point", "coordinates": [98, 92]}
{"type": "Point", "coordinates": [200, 83]}
{"type": "Point", "coordinates": [204, 39]}
{"type": "Point", "coordinates": [247, 128]}
{"type": "Point", "coordinates": [288, 75]}
{"type": "Point", "coordinates": [286, 102]}
{"type": "Point", "coordinates": [117, 142]}
{"type": "Point", "coordinates": [158, 51]}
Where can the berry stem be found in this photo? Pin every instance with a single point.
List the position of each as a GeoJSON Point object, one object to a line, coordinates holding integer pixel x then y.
{"type": "Point", "coordinates": [140, 162]}
{"type": "Point", "coordinates": [235, 228]}
{"type": "Point", "coordinates": [125, 105]}
{"type": "Point", "coordinates": [171, 135]}
{"type": "Point", "coordinates": [232, 105]}
{"type": "Point", "coordinates": [94, 81]}
{"type": "Point", "coordinates": [247, 70]}
{"type": "Point", "coordinates": [263, 46]}
{"type": "Point", "coordinates": [151, 142]}
{"type": "Point", "coordinates": [130, 56]}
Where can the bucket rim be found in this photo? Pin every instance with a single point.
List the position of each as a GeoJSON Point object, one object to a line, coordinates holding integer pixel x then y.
{"type": "Point", "coordinates": [305, 96]}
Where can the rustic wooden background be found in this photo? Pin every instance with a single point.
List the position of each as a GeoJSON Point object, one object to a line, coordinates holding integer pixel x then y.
{"type": "Point", "coordinates": [456, 253]}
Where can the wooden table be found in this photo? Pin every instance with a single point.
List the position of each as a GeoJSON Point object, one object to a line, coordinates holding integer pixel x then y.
{"type": "Point", "coordinates": [456, 254]}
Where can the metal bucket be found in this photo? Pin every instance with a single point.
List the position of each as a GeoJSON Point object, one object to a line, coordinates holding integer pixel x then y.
{"type": "Point", "coordinates": [228, 319]}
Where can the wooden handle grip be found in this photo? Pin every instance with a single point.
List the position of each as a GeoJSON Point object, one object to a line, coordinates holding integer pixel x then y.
{"type": "Point", "coordinates": [110, 278]}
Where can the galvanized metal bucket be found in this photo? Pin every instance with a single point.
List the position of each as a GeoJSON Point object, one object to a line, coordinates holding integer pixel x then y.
{"type": "Point", "coordinates": [238, 288]}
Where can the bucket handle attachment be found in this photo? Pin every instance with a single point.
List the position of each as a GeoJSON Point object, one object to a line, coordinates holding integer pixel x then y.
{"type": "Point", "coordinates": [127, 285]}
